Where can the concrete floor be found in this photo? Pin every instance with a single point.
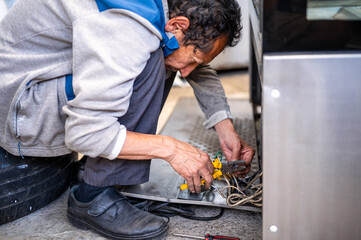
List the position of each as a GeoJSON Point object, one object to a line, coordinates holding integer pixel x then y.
{"type": "Point", "coordinates": [50, 222]}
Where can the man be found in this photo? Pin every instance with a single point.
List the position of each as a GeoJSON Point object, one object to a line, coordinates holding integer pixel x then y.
{"type": "Point", "coordinates": [92, 76]}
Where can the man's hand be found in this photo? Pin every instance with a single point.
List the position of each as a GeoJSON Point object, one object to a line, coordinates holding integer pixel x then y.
{"type": "Point", "coordinates": [192, 164]}
{"type": "Point", "coordinates": [233, 147]}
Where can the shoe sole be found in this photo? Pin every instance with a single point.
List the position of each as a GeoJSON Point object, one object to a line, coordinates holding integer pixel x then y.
{"type": "Point", "coordinates": [86, 226]}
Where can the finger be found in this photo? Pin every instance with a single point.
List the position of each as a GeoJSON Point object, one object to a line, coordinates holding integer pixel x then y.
{"type": "Point", "coordinates": [243, 172]}
{"type": "Point", "coordinates": [210, 167]}
{"type": "Point", "coordinates": [248, 158]}
{"type": "Point", "coordinates": [240, 175]}
{"type": "Point", "coordinates": [247, 154]}
{"type": "Point", "coordinates": [190, 185]}
{"type": "Point", "coordinates": [208, 162]}
{"type": "Point", "coordinates": [197, 184]}
{"type": "Point", "coordinates": [235, 153]}
{"type": "Point", "coordinates": [208, 178]}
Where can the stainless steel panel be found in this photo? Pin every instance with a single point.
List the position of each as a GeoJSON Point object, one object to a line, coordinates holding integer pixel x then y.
{"type": "Point", "coordinates": [312, 146]}
{"type": "Point", "coordinates": [255, 16]}
{"type": "Point", "coordinates": [185, 124]}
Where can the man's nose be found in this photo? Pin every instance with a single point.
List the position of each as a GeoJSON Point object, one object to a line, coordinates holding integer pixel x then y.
{"type": "Point", "coordinates": [188, 69]}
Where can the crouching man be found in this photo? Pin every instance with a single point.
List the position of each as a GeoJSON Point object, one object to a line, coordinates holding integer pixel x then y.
{"type": "Point", "coordinates": [91, 76]}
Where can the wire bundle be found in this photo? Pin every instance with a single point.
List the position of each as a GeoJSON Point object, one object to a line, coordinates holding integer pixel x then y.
{"type": "Point", "coordinates": [237, 195]}
{"type": "Point", "coordinates": [240, 192]}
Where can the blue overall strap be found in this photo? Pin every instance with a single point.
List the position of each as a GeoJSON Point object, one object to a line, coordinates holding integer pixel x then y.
{"type": "Point", "coordinates": [152, 10]}
{"type": "Point", "coordinates": [69, 87]}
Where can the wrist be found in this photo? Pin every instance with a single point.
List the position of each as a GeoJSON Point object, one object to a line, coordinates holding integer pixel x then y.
{"type": "Point", "coordinates": [224, 126]}
{"type": "Point", "coordinates": [165, 148]}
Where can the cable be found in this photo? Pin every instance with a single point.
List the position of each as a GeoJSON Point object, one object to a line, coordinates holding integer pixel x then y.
{"type": "Point", "coordinates": [219, 215]}
{"type": "Point", "coordinates": [220, 159]}
{"type": "Point", "coordinates": [236, 195]}
{"type": "Point", "coordinates": [165, 209]}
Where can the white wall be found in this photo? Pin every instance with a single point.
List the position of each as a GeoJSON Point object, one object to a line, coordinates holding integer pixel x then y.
{"type": "Point", "coordinates": [238, 56]}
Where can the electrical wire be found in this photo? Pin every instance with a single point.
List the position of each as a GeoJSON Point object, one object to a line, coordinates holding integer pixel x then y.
{"type": "Point", "coordinates": [236, 195]}
{"type": "Point", "coordinates": [166, 209]}
{"type": "Point", "coordinates": [220, 159]}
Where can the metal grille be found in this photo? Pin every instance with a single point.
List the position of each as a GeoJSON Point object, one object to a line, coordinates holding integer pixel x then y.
{"type": "Point", "coordinates": [207, 140]}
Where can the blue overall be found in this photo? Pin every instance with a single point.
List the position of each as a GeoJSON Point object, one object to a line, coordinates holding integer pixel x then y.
{"type": "Point", "coordinates": [149, 93]}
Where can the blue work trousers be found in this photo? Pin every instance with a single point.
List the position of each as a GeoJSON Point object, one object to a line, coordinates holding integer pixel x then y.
{"type": "Point", "coordinates": [150, 90]}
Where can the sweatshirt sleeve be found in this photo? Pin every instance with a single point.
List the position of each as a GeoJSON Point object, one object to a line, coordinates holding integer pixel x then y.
{"type": "Point", "coordinates": [210, 95]}
{"type": "Point", "coordinates": [109, 51]}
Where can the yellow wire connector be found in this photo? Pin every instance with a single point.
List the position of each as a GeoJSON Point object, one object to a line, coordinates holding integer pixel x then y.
{"type": "Point", "coordinates": [217, 173]}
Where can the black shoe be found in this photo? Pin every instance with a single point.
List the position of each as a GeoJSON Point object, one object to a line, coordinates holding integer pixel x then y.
{"type": "Point", "coordinates": [111, 215]}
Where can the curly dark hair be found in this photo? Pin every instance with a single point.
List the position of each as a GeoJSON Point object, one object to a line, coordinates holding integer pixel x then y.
{"type": "Point", "coordinates": [209, 19]}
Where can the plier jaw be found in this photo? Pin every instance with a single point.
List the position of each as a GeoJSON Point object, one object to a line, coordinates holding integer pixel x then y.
{"type": "Point", "coordinates": [233, 166]}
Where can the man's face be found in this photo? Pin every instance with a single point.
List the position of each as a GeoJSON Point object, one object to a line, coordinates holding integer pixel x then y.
{"type": "Point", "coordinates": [185, 59]}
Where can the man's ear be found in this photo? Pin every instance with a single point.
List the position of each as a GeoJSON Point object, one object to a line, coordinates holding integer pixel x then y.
{"type": "Point", "coordinates": [177, 23]}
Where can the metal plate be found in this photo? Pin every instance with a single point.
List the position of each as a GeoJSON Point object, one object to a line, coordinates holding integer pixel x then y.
{"type": "Point", "coordinates": [311, 147]}
{"type": "Point", "coordinates": [185, 124]}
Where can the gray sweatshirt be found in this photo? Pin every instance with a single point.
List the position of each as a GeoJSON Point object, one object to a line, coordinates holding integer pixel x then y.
{"type": "Point", "coordinates": [42, 41]}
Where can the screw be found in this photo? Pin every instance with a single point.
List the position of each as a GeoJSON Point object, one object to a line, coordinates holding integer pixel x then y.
{"type": "Point", "coordinates": [275, 93]}
{"type": "Point", "coordinates": [273, 228]}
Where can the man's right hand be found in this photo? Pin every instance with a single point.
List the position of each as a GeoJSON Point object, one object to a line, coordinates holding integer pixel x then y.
{"type": "Point", "coordinates": [191, 163]}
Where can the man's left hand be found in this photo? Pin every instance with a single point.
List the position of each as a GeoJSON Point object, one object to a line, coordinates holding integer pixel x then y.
{"type": "Point", "coordinates": [233, 146]}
